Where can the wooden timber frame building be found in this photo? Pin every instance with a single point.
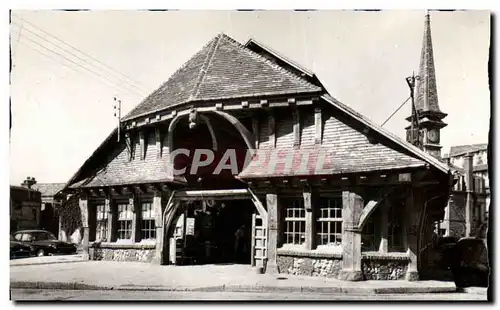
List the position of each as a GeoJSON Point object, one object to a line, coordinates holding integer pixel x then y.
{"type": "Point", "coordinates": [367, 214]}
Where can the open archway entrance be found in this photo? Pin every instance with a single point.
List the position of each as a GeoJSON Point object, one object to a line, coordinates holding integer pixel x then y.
{"type": "Point", "coordinates": [216, 218]}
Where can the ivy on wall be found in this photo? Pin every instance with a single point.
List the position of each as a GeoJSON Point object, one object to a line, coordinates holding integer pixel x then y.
{"type": "Point", "coordinates": [70, 215]}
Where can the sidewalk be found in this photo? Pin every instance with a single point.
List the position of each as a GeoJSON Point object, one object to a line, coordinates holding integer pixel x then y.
{"type": "Point", "coordinates": [56, 259]}
{"type": "Point", "coordinates": [107, 275]}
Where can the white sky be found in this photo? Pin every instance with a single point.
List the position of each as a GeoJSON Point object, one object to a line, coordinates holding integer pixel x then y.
{"type": "Point", "coordinates": [61, 113]}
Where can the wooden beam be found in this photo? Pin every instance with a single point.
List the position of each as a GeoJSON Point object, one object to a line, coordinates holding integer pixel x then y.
{"type": "Point", "coordinates": [318, 125]}
{"type": "Point", "coordinates": [272, 129]}
{"type": "Point", "coordinates": [255, 129]}
{"type": "Point", "coordinates": [296, 127]}
{"type": "Point", "coordinates": [159, 145]}
{"type": "Point", "coordinates": [142, 145]}
{"type": "Point", "coordinates": [130, 147]}
{"type": "Point", "coordinates": [117, 190]}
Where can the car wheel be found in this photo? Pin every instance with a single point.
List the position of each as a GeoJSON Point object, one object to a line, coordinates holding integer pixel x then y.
{"type": "Point", "coordinates": [40, 253]}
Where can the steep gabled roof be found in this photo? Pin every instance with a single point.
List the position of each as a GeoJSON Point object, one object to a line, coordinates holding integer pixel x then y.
{"type": "Point", "coordinates": [458, 150]}
{"type": "Point", "coordinates": [223, 69]}
{"type": "Point", "coordinates": [49, 189]}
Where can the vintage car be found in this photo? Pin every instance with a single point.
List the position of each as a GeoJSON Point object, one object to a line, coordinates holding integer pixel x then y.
{"type": "Point", "coordinates": [44, 242]}
{"type": "Point", "coordinates": [470, 265]}
{"type": "Point", "coordinates": [19, 250]}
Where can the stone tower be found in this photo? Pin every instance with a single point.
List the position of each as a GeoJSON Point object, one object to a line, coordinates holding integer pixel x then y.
{"type": "Point", "coordinates": [428, 114]}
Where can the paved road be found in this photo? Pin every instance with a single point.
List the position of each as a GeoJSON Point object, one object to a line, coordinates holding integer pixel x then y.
{"type": "Point", "coordinates": [69, 295]}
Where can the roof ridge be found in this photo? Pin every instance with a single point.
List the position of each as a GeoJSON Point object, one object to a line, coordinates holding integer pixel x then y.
{"type": "Point", "coordinates": [204, 67]}
{"type": "Point", "coordinates": [126, 117]}
{"type": "Point", "coordinates": [272, 64]}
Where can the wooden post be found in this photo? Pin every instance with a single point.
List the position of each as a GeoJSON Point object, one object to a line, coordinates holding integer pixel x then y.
{"type": "Point", "coordinates": [255, 129]}
{"type": "Point", "coordinates": [84, 211]}
{"type": "Point", "coordinates": [158, 142]}
{"type": "Point", "coordinates": [310, 219]}
{"type": "Point", "coordinates": [272, 129]}
{"type": "Point", "coordinates": [413, 207]}
{"type": "Point", "coordinates": [273, 230]}
{"type": "Point", "coordinates": [352, 205]}
{"type": "Point", "coordinates": [157, 202]}
{"type": "Point", "coordinates": [110, 207]}
{"type": "Point", "coordinates": [136, 234]}
{"type": "Point", "coordinates": [318, 125]}
{"type": "Point", "coordinates": [384, 227]}
{"type": "Point", "coordinates": [142, 145]}
{"type": "Point", "coordinates": [296, 127]}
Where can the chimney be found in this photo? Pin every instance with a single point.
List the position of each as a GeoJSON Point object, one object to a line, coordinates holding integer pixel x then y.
{"type": "Point", "coordinates": [29, 182]}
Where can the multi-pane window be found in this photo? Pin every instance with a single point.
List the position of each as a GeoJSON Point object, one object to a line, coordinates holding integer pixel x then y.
{"type": "Point", "coordinates": [329, 222]}
{"type": "Point", "coordinates": [102, 223]}
{"type": "Point", "coordinates": [295, 221]}
{"type": "Point", "coordinates": [395, 229]}
{"type": "Point", "coordinates": [124, 221]}
{"type": "Point", "coordinates": [148, 227]}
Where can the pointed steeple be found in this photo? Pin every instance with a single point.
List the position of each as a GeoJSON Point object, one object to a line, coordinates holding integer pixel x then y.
{"type": "Point", "coordinates": [426, 93]}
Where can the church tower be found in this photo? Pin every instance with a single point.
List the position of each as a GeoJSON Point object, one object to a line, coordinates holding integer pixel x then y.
{"type": "Point", "coordinates": [427, 117]}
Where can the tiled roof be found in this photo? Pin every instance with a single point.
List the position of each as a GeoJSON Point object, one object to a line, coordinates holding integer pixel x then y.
{"type": "Point", "coordinates": [49, 189]}
{"type": "Point", "coordinates": [119, 170]}
{"type": "Point", "coordinates": [470, 148]}
{"type": "Point", "coordinates": [223, 69]}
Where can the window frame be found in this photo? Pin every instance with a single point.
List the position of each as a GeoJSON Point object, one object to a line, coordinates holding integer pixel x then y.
{"type": "Point", "coordinates": [329, 206]}
{"type": "Point", "coordinates": [290, 220]}
{"type": "Point", "coordinates": [124, 224]}
{"type": "Point", "coordinates": [147, 224]}
{"type": "Point", "coordinates": [100, 222]}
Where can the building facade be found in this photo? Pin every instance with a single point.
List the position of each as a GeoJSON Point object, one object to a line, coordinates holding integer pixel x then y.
{"type": "Point", "coordinates": [244, 156]}
{"type": "Point", "coordinates": [25, 206]}
{"type": "Point", "coordinates": [52, 199]}
{"type": "Point", "coordinates": [467, 211]}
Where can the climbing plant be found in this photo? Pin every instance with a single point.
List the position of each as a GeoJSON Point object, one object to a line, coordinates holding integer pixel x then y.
{"type": "Point", "coordinates": [71, 218]}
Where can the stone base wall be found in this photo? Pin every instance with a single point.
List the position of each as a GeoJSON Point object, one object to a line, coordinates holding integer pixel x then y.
{"type": "Point", "coordinates": [384, 269]}
{"type": "Point", "coordinates": [122, 254]}
{"type": "Point", "coordinates": [309, 266]}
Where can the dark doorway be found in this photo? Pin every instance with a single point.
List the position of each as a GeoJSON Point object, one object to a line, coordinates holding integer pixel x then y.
{"type": "Point", "coordinates": [222, 232]}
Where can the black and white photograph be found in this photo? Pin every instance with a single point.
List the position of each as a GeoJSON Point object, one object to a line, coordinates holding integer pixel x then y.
{"type": "Point", "coordinates": [250, 155]}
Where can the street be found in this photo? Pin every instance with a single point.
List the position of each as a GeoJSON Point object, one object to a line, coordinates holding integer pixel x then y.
{"type": "Point", "coordinates": [75, 295]}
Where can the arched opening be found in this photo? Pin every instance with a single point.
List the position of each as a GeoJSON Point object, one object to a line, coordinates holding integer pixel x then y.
{"type": "Point", "coordinates": [208, 229]}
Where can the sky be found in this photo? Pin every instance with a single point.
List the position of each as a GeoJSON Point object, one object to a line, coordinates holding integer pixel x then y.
{"type": "Point", "coordinates": [62, 105]}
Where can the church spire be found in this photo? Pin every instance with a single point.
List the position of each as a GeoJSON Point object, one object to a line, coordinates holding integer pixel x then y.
{"type": "Point", "coordinates": [426, 93]}
{"type": "Point", "coordinates": [426, 117]}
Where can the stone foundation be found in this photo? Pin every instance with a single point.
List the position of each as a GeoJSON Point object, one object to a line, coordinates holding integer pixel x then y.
{"type": "Point", "coordinates": [308, 265]}
{"type": "Point", "coordinates": [130, 253]}
{"type": "Point", "coordinates": [386, 268]}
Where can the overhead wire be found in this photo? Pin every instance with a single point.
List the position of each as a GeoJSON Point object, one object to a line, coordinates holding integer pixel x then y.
{"type": "Point", "coordinates": [396, 111]}
{"type": "Point", "coordinates": [119, 87]}
{"type": "Point", "coordinates": [79, 50]}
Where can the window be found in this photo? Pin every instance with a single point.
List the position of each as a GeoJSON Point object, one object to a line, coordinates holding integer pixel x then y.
{"type": "Point", "coordinates": [295, 221]}
{"type": "Point", "coordinates": [102, 223]}
{"type": "Point", "coordinates": [148, 227]}
{"type": "Point", "coordinates": [124, 221]}
{"type": "Point", "coordinates": [329, 222]}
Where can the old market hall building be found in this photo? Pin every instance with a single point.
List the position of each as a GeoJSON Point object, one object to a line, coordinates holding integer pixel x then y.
{"type": "Point", "coordinates": [365, 214]}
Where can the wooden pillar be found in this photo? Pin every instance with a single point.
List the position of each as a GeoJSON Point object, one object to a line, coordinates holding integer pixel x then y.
{"type": "Point", "coordinates": [309, 204]}
{"type": "Point", "coordinates": [318, 125]}
{"type": "Point", "coordinates": [352, 205]}
{"type": "Point", "coordinates": [296, 127]}
{"type": "Point", "coordinates": [413, 208]}
{"type": "Point", "coordinates": [273, 231]}
{"type": "Point", "coordinates": [157, 207]}
{"type": "Point", "coordinates": [136, 233]}
{"type": "Point", "coordinates": [469, 204]}
{"type": "Point", "coordinates": [255, 129]}
{"type": "Point", "coordinates": [110, 208]}
{"type": "Point", "coordinates": [158, 142]}
{"type": "Point", "coordinates": [84, 211]}
{"type": "Point", "coordinates": [272, 129]}
{"type": "Point", "coordinates": [384, 227]}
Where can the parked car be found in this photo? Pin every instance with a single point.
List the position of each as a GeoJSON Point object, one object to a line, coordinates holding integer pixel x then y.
{"type": "Point", "coordinates": [44, 242]}
{"type": "Point", "coordinates": [470, 266]}
{"type": "Point", "coordinates": [18, 250]}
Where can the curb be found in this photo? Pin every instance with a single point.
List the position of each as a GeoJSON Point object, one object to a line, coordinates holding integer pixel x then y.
{"type": "Point", "coordinates": [473, 290]}
{"type": "Point", "coordinates": [235, 288]}
{"type": "Point", "coordinates": [47, 263]}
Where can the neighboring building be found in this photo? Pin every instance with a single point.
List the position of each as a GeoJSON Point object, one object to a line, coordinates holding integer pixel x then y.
{"type": "Point", "coordinates": [25, 206]}
{"type": "Point", "coordinates": [52, 199]}
{"type": "Point", "coordinates": [467, 211]}
{"type": "Point", "coordinates": [325, 193]}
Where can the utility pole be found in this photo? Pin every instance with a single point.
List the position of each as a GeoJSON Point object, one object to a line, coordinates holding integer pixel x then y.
{"type": "Point", "coordinates": [118, 111]}
{"type": "Point", "coordinates": [414, 117]}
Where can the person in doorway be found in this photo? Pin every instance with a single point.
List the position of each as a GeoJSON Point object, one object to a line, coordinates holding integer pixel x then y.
{"type": "Point", "coordinates": [239, 243]}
